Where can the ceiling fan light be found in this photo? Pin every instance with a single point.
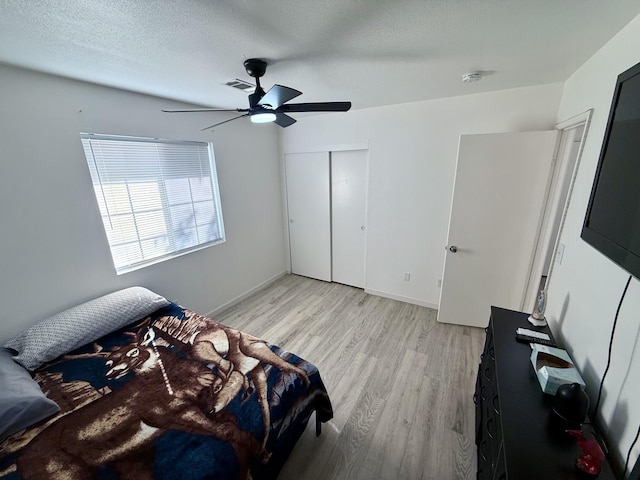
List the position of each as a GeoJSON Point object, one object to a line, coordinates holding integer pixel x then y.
{"type": "Point", "coordinates": [263, 117]}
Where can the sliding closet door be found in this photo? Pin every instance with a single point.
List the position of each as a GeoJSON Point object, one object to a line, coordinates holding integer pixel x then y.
{"type": "Point", "coordinates": [309, 208]}
{"type": "Point", "coordinates": [348, 204]}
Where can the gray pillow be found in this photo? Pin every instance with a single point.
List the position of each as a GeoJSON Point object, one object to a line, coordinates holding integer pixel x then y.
{"type": "Point", "coordinates": [22, 403]}
{"type": "Point", "coordinates": [82, 324]}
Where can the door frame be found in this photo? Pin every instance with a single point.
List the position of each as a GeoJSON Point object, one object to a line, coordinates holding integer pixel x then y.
{"type": "Point", "coordinates": [283, 181]}
{"type": "Point", "coordinates": [544, 242]}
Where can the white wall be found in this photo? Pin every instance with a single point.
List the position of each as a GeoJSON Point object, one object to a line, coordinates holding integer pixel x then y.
{"type": "Point", "coordinates": [412, 158]}
{"type": "Point", "coordinates": [53, 250]}
{"type": "Point", "coordinates": [585, 289]}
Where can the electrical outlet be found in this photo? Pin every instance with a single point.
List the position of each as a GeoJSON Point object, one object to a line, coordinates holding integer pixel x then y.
{"type": "Point", "coordinates": [407, 276]}
{"type": "Point", "coordinates": [438, 282]}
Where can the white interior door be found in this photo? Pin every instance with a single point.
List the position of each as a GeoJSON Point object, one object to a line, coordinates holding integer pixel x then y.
{"type": "Point", "coordinates": [499, 194]}
{"type": "Point", "coordinates": [348, 210]}
{"type": "Point", "coordinates": [308, 204]}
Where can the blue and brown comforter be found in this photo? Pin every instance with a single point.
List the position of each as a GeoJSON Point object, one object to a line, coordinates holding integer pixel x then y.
{"type": "Point", "coordinates": [175, 395]}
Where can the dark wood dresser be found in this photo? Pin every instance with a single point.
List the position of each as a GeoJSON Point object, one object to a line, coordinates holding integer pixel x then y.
{"type": "Point", "coordinates": [516, 436]}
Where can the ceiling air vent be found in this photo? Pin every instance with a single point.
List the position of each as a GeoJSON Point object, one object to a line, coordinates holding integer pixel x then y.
{"type": "Point", "coordinates": [240, 85]}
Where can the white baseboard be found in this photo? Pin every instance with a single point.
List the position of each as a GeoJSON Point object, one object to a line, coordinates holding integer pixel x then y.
{"type": "Point", "coordinates": [246, 294]}
{"type": "Point", "coordinates": [400, 298]}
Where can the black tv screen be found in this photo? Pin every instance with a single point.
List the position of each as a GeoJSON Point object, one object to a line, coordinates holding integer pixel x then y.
{"type": "Point", "coordinates": [612, 222]}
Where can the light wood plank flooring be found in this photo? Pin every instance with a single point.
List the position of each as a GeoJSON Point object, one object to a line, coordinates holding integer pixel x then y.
{"type": "Point", "coordinates": [401, 384]}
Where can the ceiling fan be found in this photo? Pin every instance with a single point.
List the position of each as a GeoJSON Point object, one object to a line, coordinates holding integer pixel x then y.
{"type": "Point", "coordinates": [270, 106]}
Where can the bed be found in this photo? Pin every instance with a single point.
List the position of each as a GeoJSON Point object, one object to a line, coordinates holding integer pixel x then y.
{"type": "Point", "coordinates": [172, 394]}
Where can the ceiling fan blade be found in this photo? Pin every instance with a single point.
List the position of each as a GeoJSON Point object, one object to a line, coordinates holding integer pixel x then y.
{"type": "Point", "coordinates": [284, 120]}
{"type": "Point", "coordinates": [220, 123]}
{"type": "Point", "coordinates": [277, 95]}
{"type": "Point", "coordinates": [197, 110]}
{"type": "Point", "coordinates": [316, 107]}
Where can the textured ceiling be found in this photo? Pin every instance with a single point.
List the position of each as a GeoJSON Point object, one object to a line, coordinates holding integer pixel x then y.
{"type": "Point", "coordinates": [372, 52]}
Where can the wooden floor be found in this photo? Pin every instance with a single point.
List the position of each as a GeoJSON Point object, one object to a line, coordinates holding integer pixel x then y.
{"type": "Point", "coordinates": [401, 383]}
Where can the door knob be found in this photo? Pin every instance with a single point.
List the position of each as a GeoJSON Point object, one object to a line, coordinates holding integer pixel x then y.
{"type": "Point", "coordinates": [362, 228]}
{"type": "Point", "coordinates": [452, 248]}
{"type": "Point", "coordinates": [291, 221]}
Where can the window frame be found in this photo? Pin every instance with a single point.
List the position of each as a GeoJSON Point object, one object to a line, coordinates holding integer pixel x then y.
{"type": "Point", "coordinates": [165, 206]}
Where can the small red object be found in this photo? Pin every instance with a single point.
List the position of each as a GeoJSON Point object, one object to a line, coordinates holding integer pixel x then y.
{"type": "Point", "coordinates": [592, 453]}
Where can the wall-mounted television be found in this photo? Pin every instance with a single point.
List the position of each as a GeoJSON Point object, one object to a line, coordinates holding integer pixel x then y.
{"type": "Point", "coordinates": [612, 222]}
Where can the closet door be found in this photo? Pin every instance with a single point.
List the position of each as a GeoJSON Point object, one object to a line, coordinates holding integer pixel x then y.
{"type": "Point", "coordinates": [348, 204]}
{"type": "Point", "coordinates": [309, 209]}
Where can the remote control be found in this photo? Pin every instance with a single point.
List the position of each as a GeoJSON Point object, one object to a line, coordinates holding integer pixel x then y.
{"type": "Point", "coordinates": [532, 333]}
{"type": "Point", "coordinates": [521, 337]}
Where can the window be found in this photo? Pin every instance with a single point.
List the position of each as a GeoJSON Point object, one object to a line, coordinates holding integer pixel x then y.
{"type": "Point", "coordinates": [158, 198]}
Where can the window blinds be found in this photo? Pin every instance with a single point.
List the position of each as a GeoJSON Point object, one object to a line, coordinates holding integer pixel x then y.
{"type": "Point", "coordinates": [158, 198]}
